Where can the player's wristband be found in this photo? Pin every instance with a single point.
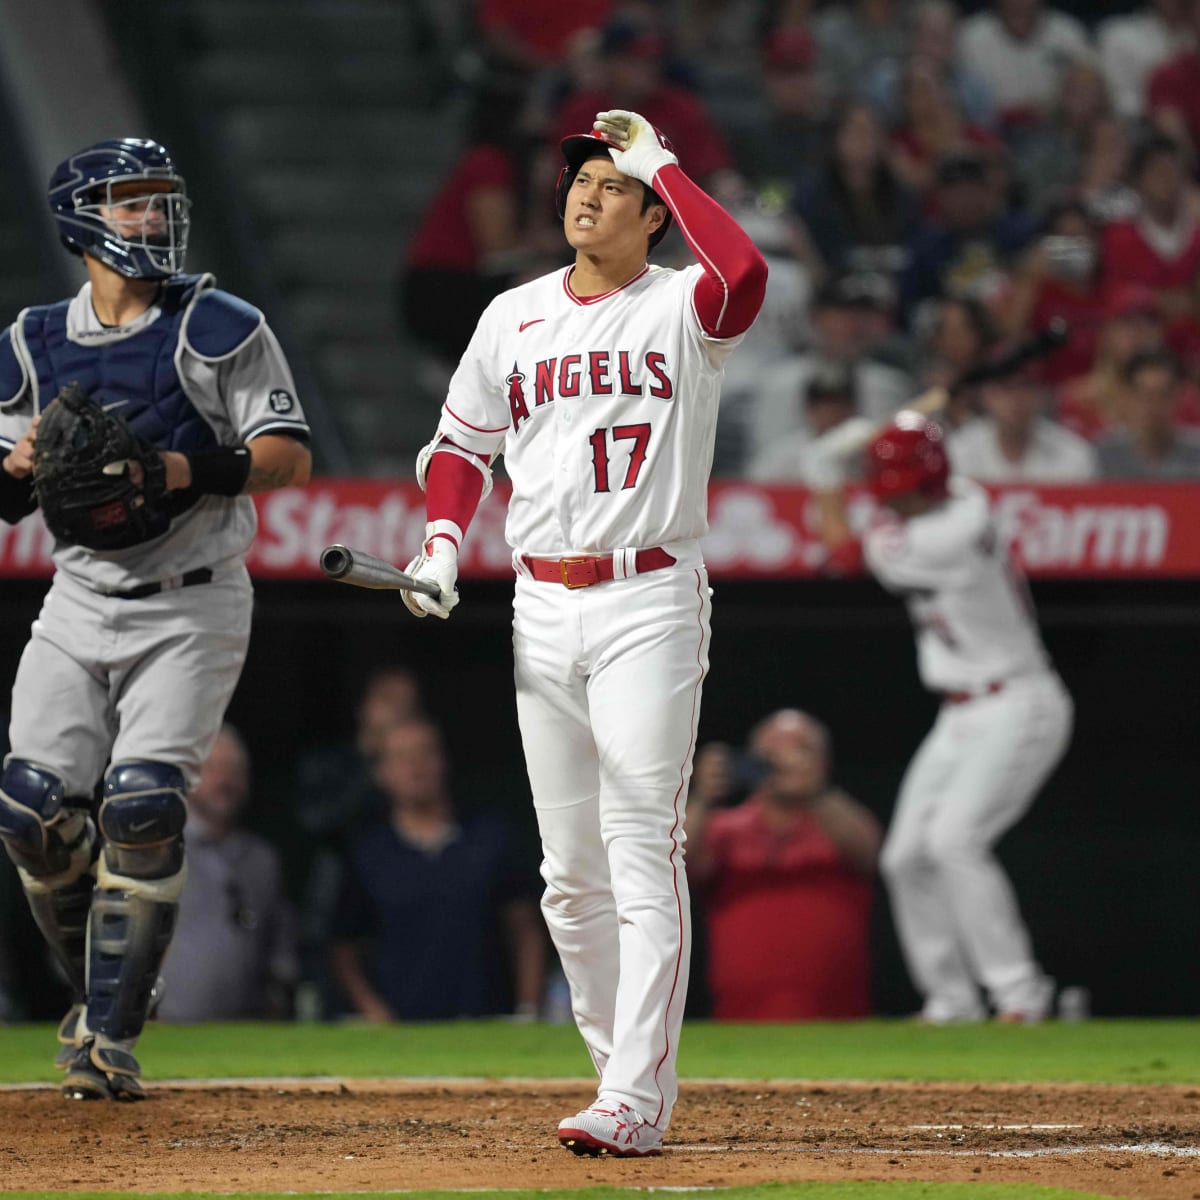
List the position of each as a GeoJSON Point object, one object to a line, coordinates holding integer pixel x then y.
{"type": "Point", "coordinates": [220, 472]}
{"type": "Point", "coordinates": [16, 497]}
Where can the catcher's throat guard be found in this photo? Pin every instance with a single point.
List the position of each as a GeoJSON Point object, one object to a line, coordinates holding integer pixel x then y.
{"type": "Point", "coordinates": [83, 477]}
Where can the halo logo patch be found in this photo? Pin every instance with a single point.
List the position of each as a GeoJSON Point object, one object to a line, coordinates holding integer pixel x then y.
{"type": "Point", "coordinates": [281, 401]}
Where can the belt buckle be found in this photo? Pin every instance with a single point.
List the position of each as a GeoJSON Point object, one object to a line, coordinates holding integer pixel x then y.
{"type": "Point", "coordinates": [565, 563]}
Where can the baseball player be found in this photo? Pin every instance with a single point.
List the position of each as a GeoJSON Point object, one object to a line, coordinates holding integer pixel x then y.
{"type": "Point", "coordinates": [1004, 723]}
{"type": "Point", "coordinates": [601, 381]}
{"type": "Point", "coordinates": [123, 684]}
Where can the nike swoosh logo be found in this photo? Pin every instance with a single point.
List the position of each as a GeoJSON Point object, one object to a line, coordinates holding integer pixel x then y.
{"type": "Point", "coordinates": [526, 324]}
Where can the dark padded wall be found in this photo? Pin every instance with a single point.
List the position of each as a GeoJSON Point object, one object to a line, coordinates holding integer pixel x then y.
{"type": "Point", "coordinates": [1105, 864]}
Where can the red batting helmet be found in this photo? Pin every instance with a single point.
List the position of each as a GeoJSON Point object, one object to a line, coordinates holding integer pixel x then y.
{"type": "Point", "coordinates": [577, 149]}
{"type": "Point", "coordinates": [908, 456]}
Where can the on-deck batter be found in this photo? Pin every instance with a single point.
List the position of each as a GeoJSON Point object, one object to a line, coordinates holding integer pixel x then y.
{"type": "Point", "coordinates": [601, 383]}
{"type": "Point", "coordinates": [1004, 724]}
{"type": "Point", "coordinates": [123, 685]}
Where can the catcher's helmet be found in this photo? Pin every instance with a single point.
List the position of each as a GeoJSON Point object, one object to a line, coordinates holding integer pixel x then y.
{"type": "Point", "coordinates": [577, 149]}
{"type": "Point", "coordinates": [83, 183]}
{"type": "Point", "coordinates": [908, 456]}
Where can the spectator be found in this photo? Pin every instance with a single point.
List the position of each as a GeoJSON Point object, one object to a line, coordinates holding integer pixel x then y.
{"type": "Point", "coordinates": [858, 36]}
{"type": "Point", "coordinates": [1093, 402]}
{"type": "Point", "coordinates": [1019, 50]}
{"type": "Point", "coordinates": [929, 126]}
{"type": "Point", "coordinates": [859, 214]}
{"type": "Point", "coordinates": [467, 245]}
{"type": "Point", "coordinates": [1014, 441]}
{"type": "Point", "coordinates": [1049, 152]}
{"type": "Point", "coordinates": [1102, 179]}
{"type": "Point", "coordinates": [336, 793]}
{"type": "Point", "coordinates": [844, 321]}
{"type": "Point", "coordinates": [785, 878]}
{"type": "Point", "coordinates": [631, 68]}
{"type": "Point", "coordinates": [1149, 444]}
{"type": "Point", "coordinates": [234, 954]}
{"type": "Point", "coordinates": [1159, 247]}
{"type": "Point", "coordinates": [1133, 45]}
{"type": "Point", "coordinates": [436, 918]}
{"type": "Point", "coordinates": [524, 37]}
{"type": "Point", "coordinates": [776, 140]}
{"type": "Point", "coordinates": [1172, 94]}
{"type": "Point", "coordinates": [1059, 279]}
{"type": "Point", "coordinates": [935, 41]}
{"type": "Point", "coordinates": [830, 397]}
{"type": "Point", "coordinates": [967, 247]}
{"type": "Point", "coordinates": [961, 335]}
{"type": "Point", "coordinates": [781, 328]}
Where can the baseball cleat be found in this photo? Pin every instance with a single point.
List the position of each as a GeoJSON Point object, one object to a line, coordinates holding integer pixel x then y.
{"type": "Point", "coordinates": [611, 1128]}
{"type": "Point", "coordinates": [103, 1073]}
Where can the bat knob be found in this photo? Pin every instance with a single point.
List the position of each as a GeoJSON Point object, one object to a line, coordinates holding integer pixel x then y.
{"type": "Point", "coordinates": [336, 561]}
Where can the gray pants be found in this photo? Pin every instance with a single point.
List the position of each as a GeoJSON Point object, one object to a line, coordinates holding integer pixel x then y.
{"type": "Point", "coordinates": [103, 678]}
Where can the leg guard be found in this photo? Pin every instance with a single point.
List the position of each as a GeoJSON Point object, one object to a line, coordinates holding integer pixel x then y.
{"type": "Point", "coordinates": [51, 839]}
{"type": "Point", "coordinates": [138, 881]}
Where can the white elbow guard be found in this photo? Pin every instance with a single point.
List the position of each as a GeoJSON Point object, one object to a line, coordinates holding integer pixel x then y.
{"type": "Point", "coordinates": [440, 446]}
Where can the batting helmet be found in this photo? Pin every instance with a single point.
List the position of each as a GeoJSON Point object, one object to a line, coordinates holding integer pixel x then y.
{"type": "Point", "coordinates": [908, 456]}
{"type": "Point", "coordinates": [577, 149]}
{"type": "Point", "coordinates": [82, 184]}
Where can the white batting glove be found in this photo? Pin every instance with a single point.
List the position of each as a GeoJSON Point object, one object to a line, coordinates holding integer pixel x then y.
{"type": "Point", "coordinates": [438, 561]}
{"type": "Point", "coordinates": [637, 148]}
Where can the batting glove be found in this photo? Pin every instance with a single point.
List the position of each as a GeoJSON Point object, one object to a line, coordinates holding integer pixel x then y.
{"type": "Point", "coordinates": [438, 561]}
{"type": "Point", "coordinates": [638, 149]}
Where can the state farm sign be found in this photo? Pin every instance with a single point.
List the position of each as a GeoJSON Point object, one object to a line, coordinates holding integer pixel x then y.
{"type": "Point", "coordinates": [1099, 530]}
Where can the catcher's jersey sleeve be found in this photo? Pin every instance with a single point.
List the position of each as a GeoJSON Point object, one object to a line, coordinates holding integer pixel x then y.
{"type": "Point", "coordinates": [248, 394]}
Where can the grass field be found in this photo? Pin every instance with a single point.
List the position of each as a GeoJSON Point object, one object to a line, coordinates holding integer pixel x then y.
{"type": "Point", "coordinates": [1118, 1051]}
{"type": "Point", "coordinates": [1102, 1051]}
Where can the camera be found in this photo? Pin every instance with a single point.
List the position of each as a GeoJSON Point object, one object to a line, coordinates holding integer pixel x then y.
{"type": "Point", "coordinates": [1069, 258]}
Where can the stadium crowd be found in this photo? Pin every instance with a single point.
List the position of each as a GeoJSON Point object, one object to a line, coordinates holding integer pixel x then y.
{"type": "Point", "coordinates": [930, 182]}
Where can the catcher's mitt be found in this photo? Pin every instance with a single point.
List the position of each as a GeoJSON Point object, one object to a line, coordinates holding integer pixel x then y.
{"type": "Point", "coordinates": [82, 476]}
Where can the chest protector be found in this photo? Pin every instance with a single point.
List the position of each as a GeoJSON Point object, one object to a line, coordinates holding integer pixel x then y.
{"type": "Point", "coordinates": [136, 375]}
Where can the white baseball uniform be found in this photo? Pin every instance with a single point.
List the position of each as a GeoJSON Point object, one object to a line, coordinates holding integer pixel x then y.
{"type": "Point", "coordinates": [606, 408]}
{"type": "Point", "coordinates": [1004, 724]}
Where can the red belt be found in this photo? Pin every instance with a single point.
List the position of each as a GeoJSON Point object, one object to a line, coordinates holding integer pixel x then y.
{"type": "Point", "coordinates": [963, 697]}
{"type": "Point", "coordinates": [583, 572]}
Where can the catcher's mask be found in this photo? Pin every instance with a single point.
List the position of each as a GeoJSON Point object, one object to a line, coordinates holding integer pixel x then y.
{"type": "Point", "coordinates": [152, 248]}
{"type": "Point", "coordinates": [908, 456]}
{"type": "Point", "coordinates": [577, 149]}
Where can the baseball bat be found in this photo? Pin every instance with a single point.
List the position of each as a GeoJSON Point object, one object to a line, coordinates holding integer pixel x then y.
{"type": "Point", "coordinates": [347, 565]}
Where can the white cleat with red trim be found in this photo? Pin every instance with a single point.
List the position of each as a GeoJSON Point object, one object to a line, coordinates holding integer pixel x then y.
{"type": "Point", "coordinates": [610, 1127]}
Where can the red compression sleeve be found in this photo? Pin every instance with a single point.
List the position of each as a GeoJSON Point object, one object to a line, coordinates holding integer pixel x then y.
{"type": "Point", "coordinates": [452, 487]}
{"type": "Point", "coordinates": [735, 274]}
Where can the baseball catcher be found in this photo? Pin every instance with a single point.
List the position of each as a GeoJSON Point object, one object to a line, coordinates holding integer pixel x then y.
{"type": "Point", "coordinates": [97, 483]}
{"type": "Point", "coordinates": [139, 414]}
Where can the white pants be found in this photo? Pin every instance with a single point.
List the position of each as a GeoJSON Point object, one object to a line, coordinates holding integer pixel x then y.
{"type": "Point", "coordinates": [608, 683]}
{"type": "Point", "coordinates": [974, 776]}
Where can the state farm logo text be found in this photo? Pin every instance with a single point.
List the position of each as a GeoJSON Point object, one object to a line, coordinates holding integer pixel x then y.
{"type": "Point", "coordinates": [1048, 536]}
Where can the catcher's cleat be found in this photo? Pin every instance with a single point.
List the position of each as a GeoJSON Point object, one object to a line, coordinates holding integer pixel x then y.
{"type": "Point", "coordinates": [103, 1073]}
{"type": "Point", "coordinates": [68, 1037]}
{"type": "Point", "coordinates": [610, 1128]}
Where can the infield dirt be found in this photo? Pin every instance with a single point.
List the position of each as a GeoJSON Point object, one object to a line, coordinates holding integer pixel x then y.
{"type": "Point", "coordinates": [376, 1135]}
